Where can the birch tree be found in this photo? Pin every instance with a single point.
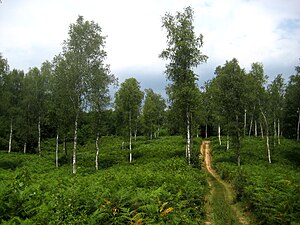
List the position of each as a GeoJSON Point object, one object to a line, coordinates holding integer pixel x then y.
{"type": "Point", "coordinates": [36, 89]}
{"type": "Point", "coordinates": [4, 70]}
{"type": "Point", "coordinates": [183, 53]}
{"type": "Point", "coordinates": [255, 91]}
{"type": "Point", "coordinates": [82, 55]}
{"type": "Point", "coordinates": [276, 92]}
{"type": "Point", "coordinates": [231, 81]}
{"type": "Point", "coordinates": [292, 105]}
{"type": "Point", "coordinates": [153, 111]}
{"type": "Point", "coordinates": [12, 98]}
{"type": "Point", "coordinates": [128, 100]}
{"type": "Point", "coordinates": [99, 97]}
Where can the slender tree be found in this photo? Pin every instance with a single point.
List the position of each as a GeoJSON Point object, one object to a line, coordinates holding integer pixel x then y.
{"type": "Point", "coordinates": [153, 111]}
{"type": "Point", "coordinates": [128, 100]}
{"type": "Point", "coordinates": [12, 97]}
{"type": "Point", "coordinates": [231, 81]}
{"type": "Point", "coordinates": [183, 53]}
{"type": "Point", "coordinates": [291, 123]}
{"type": "Point", "coordinates": [83, 58]}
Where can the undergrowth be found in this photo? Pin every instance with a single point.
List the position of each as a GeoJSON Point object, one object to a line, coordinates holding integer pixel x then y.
{"type": "Point", "coordinates": [269, 191]}
{"type": "Point", "coordinates": [158, 187]}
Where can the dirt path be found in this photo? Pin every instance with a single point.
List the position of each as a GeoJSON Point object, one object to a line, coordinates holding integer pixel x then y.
{"type": "Point", "coordinates": [220, 207]}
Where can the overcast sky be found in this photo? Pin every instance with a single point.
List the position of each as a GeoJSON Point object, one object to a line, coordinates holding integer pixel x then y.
{"type": "Point", "coordinates": [267, 31]}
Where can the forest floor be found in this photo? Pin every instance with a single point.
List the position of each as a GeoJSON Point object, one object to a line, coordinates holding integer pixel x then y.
{"type": "Point", "coordinates": [220, 206]}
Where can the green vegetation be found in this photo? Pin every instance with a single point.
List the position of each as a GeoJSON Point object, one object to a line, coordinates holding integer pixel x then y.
{"type": "Point", "coordinates": [269, 191]}
{"type": "Point", "coordinates": [158, 187]}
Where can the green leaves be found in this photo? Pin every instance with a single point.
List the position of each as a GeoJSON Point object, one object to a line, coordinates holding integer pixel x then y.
{"type": "Point", "coordinates": [157, 188]}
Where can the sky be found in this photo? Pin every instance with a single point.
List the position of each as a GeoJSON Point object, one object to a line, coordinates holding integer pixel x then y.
{"type": "Point", "coordinates": [266, 31]}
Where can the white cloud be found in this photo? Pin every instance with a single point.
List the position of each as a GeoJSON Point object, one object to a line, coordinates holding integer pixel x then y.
{"type": "Point", "coordinates": [255, 30]}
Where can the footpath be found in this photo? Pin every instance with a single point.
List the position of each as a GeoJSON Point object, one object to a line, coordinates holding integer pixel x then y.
{"type": "Point", "coordinates": [220, 206]}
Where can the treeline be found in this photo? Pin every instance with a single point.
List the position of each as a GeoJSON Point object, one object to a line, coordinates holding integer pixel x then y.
{"type": "Point", "coordinates": [68, 98]}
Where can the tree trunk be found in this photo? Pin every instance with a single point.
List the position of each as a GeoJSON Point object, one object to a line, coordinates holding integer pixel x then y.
{"type": "Point", "coordinates": [188, 143]}
{"type": "Point", "coordinates": [130, 153]}
{"type": "Point", "coordinates": [298, 127]}
{"type": "Point", "coordinates": [275, 131]}
{"type": "Point", "coordinates": [255, 128]}
{"type": "Point", "coordinates": [227, 142]}
{"type": "Point", "coordinates": [39, 140]}
{"type": "Point", "coordinates": [219, 134]}
{"type": "Point", "coordinates": [278, 131]}
{"type": "Point", "coordinates": [97, 151]}
{"type": "Point", "coordinates": [10, 135]}
{"type": "Point", "coordinates": [75, 144]}
{"type": "Point", "coordinates": [238, 146]}
{"type": "Point", "coordinates": [267, 135]}
{"type": "Point", "coordinates": [25, 147]}
{"type": "Point", "coordinates": [205, 130]}
{"type": "Point", "coordinates": [56, 151]}
{"type": "Point", "coordinates": [64, 146]}
{"type": "Point", "coordinates": [245, 122]}
{"type": "Point", "coordinates": [261, 130]}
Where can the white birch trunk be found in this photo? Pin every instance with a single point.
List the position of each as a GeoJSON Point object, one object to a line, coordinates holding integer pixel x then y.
{"type": "Point", "coordinates": [255, 128]}
{"type": "Point", "coordinates": [245, 123]}
{"type": "Point", "coordinates": [278, 131]}
{"type": "Point", "coordinates": [268, 134]}
{"type": "Point", "coordinates": [205, 130]}
{"type": "Point", "coordinates": [227, 144]}
{"type": "Point", "coordinates": [275, 131]}
{"type": "Point", "coordinates": [219, 134]}
{"type": "Point", "coordinates": [261, 130]}
{"type": "Point", "coordinates": [238, 142]}
{"type": "Point", "coordinates": [130, 153]}
{"type": "Point", "coordinates": [39, 140]}
{"type": "Point", "coordinates": [56, 151]}
{"type": "Point", "coordinates": [75, 145]}
{"type": "Point", "coordinates": [64, 146]}
{"type": "Point", "coordinates": [188, 144]}
{"type": "Point", "coordinates": [10, 136]}
{"type": "Point", "coordinates": [186, 152]}
{"type": "Point", "coordinates": [298, 126]}
{"type": "Point", "coordinates": [25, 148]}
{"type": "Point", "coordinates": [97, 152]}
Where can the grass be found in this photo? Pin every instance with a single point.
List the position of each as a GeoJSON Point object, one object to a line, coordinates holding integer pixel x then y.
{"type": "Point", "coordinates": [158, 187]}
{"type": "Point", "coordinates": [269, 191]}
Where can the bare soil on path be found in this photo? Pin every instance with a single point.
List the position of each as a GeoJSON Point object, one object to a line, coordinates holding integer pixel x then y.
{"type": "Point", "coordinates": [220, 206]}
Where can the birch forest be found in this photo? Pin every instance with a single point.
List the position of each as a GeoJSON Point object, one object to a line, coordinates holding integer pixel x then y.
{"type": "Point", "coordinates": [71, 152]}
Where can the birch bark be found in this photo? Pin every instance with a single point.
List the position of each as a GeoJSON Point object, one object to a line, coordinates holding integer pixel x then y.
{"type": "Point", "coordinates": [245, 123]}
{"type": "Point", "coordinates": [75, 145]}
{"type": "Point", "coordinates": [188, 144]}
{"type": "Point", "coordinates": [278, 131]}
{"type": "Point", "coordinates": [255, 128]}
{"type": "Point", "coordinates": [10, 136]}
{"type": "Point", "coordinates": [97, 152]}
{"type": "Point", "coordinates": [227, 142]}
{"type": "Point", "coordinates": [298, 126]}
{"type": "Point", "coordinates": [56, 151]}
{"type": "Point", "coordinates": [267, 136]}
{"type": "Point", "coordinates": [219, 134]}
{"type": "Point", "coordinates": [39, 139]}
{"type": "Point", "coordinates": [130, 137]}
